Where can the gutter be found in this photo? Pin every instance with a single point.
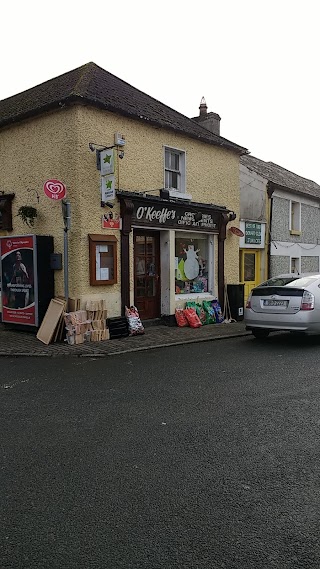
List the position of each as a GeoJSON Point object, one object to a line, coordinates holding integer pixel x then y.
{"type": "Point", "coordinates": [270, 190]}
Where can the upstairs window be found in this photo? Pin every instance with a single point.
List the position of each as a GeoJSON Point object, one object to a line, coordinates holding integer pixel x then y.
{"type": "Point", "coordinates": [175, 171]}
{"type": "Point", "coordinates": [295, 217]}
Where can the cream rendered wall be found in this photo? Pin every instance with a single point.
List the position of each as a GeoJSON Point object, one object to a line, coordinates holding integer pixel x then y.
{"type": "Point", "coordinates": [55, 145]}
{"type": "Point", "coordinates": [31, 152]}
{"type": "Point", "coordinates": [212, 172]}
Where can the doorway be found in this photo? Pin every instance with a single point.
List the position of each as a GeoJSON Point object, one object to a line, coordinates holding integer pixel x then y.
{"type": "Point", "coordinates": [249, 270]}
{"type": "Point", "coordinates": [147, 273]}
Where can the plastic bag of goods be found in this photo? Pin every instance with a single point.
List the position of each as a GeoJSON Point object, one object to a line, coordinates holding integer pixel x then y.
{"type": "Point", "coordinates": [134, 323]}
{"type": "Point", "coordinates": [181, 318]}
{"type": "Point", "coordinates": [192, 317]}
{"type": "Point", "coordinates": [218, 311]}
{"type": "Point", "coordinates": [199, 310]}
{"type": "Point", "coordinates": [201, 313]}
{"type": "Point", "coordinates": [209, 312]}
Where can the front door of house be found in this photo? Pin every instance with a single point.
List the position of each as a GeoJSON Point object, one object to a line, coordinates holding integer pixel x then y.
{"type": "Point", "coordinates": [249, 270]}
{"type": "Point", "coordinates": [147, 273]}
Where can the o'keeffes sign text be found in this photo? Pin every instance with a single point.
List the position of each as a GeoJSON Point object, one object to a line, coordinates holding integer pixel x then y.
{"type": "Point", "coordinates": [174, 217]}
{"type": "Point", "coordinates": [149, 213]}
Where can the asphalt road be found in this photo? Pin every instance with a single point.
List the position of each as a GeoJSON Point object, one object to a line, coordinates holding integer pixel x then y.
{"type": "Point", "coordinates": [198, 457]}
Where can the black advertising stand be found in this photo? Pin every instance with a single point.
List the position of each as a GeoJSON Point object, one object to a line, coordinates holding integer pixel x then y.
{"type": "Point", "coordinates": [27, 279]}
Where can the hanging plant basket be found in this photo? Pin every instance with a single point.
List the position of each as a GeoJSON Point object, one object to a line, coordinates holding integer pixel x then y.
{"type": "Point", "coordinates": [28, 214]}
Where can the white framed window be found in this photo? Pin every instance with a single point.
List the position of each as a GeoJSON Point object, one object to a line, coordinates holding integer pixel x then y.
{"type": "Point", "coordinates": [175, 172]}
{"type": "Point", "coordinates": [295, 217]}
{"type": "Point", "coordinates": [295, 265]}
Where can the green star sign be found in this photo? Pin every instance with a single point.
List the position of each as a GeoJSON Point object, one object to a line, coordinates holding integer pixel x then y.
{"type": "Point", "coordinates": [109, 184]}
{"type": "Point", "coordinates": [107, 159]}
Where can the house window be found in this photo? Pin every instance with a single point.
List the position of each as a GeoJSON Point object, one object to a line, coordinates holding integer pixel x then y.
{"type": "Point", "coordinates": [295, 265]}
{"type": "Point", "coordinates": [295, 217]}
{"type": "Point", "coordinates": [175, 171]}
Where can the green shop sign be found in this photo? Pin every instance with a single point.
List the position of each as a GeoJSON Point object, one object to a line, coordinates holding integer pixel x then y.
{"type": "Point", "coordinates": [252, 233]}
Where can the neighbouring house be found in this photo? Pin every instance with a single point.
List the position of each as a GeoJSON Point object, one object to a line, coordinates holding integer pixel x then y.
{"type": "Point", "coordinates": [150, 193]}
{"type": "Point", "coordinates": [280, 220]}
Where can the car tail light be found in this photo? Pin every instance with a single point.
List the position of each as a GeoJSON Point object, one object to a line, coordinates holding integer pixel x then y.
{"type": "Point", "coordinates": [307, 301]}
{"type": "Point", "coordinates": [248, 304]}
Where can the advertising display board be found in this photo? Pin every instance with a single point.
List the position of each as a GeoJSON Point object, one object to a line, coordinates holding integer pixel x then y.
{"type": "Point", "coordinates": [27, 278]}
{"type": "Point", "coordinates": [18, 278]}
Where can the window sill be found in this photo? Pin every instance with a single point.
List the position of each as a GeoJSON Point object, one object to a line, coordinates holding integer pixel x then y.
{"type": "Point", "coordinates": [179, 195]}
{"type": "Point", "coordinates": [294, 232]}
{"type": "Point", "coordinates": [194, 295]}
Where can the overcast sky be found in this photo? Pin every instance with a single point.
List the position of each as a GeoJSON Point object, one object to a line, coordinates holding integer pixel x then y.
{"type": "Point", "coordinates": [256, 62]}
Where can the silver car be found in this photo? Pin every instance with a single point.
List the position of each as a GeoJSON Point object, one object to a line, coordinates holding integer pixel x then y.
{"type": "Point", "coordinates": [288, 302]}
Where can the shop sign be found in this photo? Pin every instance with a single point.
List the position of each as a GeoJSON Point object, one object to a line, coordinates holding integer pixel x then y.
{"type": "Point", "coordinates": [108, 191]}
{"type": "Point", "coordinates": [177, 217]}
{"type": "Point", "coordinates": [236, 231]}
{"type": "Point", "coordinates": [111, 221]}
{"type": "Point", "coordinates": [252, 233]}
{"type": "Point", "coordinates": [17, 276]}
{"type": "Point", "coordinates": [106, 161]}
{"type": "Point", "coordinates": [54, 189]}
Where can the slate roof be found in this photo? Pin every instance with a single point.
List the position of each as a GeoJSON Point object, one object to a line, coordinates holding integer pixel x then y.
{"type": "Point", "coordinates": [92, 85]}
{"type": "Point", "coordinates": [281, 177]}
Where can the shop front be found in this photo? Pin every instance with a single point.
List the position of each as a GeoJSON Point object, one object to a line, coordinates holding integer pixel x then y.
{"type": "Point", "coordinates": [176, 253]}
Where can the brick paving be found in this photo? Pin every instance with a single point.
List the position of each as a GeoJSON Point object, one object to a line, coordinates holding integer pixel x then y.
{"type": "Point", "coordinates": [14, 342]}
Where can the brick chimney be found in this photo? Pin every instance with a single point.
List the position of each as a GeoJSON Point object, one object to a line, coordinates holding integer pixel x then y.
{"type": "Point", "coordinates": [211, 121]}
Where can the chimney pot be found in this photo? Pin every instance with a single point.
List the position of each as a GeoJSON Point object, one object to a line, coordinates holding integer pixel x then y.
{"type": "Point", "coordinates": [203, 107]}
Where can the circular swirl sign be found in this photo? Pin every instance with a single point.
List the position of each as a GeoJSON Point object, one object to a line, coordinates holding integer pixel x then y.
{"type": "Point", "coordinates": [54, 189]}
{"type": "Point", "coordinates": [236, 231]}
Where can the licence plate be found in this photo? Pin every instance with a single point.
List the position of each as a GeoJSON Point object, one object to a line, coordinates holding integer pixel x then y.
{"type": "Point", "coordinates": [275, 303]}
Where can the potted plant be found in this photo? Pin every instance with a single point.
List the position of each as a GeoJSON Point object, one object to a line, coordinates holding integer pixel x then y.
{"type": "Point", "coordinates": [28, 214]}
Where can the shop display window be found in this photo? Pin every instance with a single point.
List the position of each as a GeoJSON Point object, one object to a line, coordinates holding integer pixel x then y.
{"type": "Point", "coordinates": [103, 259]}
{"type": "Point", "coordinates": [191, 263]}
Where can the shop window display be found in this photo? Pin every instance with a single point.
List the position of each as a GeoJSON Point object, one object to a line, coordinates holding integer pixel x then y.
{"type": "Point", "coordinates": [191, 264]}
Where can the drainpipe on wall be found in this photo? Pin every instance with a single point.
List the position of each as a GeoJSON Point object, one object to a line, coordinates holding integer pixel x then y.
{"type": "Point", "coordinates": [221, 241]}
{"type": "Point", "coordinates": [270, 190]}
{"type": "Point", "coordinates": [126, 208]}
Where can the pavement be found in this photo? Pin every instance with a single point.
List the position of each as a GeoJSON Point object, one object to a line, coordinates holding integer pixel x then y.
{"type": "Point", "coordinates": [14, 342]}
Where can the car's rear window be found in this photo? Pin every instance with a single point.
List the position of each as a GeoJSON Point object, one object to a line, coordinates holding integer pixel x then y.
{"type": "Point", "coordinates": [292, 281]}
{"type": "Point", "coordinates": [279, 281]}
{"type": "Point", "coordinates": [304, 281]}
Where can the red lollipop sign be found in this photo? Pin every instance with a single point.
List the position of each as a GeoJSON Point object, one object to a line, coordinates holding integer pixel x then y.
{"type": "Point", "coordinates": [54, 189]}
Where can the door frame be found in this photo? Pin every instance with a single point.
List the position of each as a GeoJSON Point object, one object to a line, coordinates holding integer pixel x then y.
{"type": "Point", "coordinates": [249, 284]}
{"type": "Point", "coordinates": [156, 278]}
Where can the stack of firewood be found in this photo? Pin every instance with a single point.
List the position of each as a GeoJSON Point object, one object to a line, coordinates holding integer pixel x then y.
{"type": "Point", "coordinates": [87, 325]}
{"type": "Point", "coordinates": [97, 313]}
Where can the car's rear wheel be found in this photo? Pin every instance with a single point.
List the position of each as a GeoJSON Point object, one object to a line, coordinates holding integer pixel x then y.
{"type": "Point", "coordinates": [260, 334]}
